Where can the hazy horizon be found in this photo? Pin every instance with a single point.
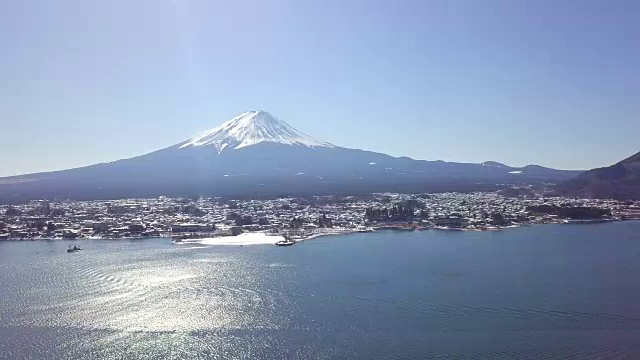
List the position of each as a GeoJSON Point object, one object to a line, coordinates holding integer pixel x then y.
{"type": "Point", "coordinates": [548, 83]}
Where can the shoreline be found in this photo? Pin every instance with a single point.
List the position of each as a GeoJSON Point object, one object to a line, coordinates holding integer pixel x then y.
{"type": "Point", "coordinates": [230, 239]}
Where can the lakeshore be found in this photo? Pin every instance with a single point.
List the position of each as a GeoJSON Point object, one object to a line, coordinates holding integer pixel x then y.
{"type": "Point", "coordinates": [263, 238]}
{"type": "Point", "coordinates": [297, 218]}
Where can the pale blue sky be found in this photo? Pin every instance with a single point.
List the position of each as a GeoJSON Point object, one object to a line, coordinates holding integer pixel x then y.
{"type": "Point", "coordinates": [551, 82]}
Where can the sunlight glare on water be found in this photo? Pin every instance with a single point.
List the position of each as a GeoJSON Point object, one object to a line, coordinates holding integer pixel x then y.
{"type": "Point", "coordinates": [553, 291]}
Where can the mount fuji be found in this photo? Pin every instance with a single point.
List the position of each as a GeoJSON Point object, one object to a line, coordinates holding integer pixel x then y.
{"type": "Point", "coordinates": [256, 154]}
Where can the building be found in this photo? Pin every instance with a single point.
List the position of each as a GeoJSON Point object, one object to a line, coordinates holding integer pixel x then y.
{"type": "Point", "coordinates": [191, 227]}
{"type": "Point", "coordinates": [451, 221]}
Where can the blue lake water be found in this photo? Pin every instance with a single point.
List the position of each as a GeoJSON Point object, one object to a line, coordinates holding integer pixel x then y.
{"type": "Point", "coordinates": [550, 291]}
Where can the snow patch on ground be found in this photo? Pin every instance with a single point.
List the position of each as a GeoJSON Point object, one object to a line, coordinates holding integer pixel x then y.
{"type": "Point", "coordinates": [515, 172]}
{"type": "Point", "coordinates": [256, 238]}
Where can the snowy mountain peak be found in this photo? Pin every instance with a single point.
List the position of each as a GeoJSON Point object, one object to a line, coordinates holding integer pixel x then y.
{"type": "Point", "coordinates": [251, 128]}
{"type": "Point", "coordinates": [493, 164]}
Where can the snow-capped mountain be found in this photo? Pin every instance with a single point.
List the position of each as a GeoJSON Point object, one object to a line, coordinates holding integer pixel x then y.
{"type": "Point", "coordinates": [251, 128]}
{"type": "Point", "coordinates": [256, 154]}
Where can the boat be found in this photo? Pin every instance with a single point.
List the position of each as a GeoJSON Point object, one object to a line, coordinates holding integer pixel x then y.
{"type": "Point", "coordinates": [285, 242]}
{"type": "Point", "coordinates": [288, 241]}
{"type": "Point", "coordinates": [74, 249]}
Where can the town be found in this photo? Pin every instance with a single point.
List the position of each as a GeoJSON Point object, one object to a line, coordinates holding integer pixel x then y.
{"type": "Point", "coordinates": [182, 218]}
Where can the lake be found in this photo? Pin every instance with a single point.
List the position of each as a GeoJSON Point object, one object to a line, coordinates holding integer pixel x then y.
{"type": "Point", "coordinates": [548, 291]}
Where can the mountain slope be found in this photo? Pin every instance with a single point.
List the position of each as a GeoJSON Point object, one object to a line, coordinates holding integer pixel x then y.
{"type": "Point", "coordinates": [618, 181]}
{"type": "Point", "coordinates": [258, 155]}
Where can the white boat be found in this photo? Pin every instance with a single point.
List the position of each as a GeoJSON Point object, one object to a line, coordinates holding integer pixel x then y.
{"type": "Point", "coordinates": [285, 242]}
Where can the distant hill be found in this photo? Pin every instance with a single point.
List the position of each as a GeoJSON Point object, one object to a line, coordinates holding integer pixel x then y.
{"type": "Point", "coordinates": [620, 181]}
{"type": "Point", "coordinates": [258, 155]}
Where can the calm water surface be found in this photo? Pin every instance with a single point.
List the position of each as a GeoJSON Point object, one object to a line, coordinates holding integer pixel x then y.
{"type": "Point", "coordinates": [552, 291]}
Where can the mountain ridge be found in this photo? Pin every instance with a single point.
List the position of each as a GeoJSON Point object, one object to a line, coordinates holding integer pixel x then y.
{"type": "Point", "coordinates": [619, 181]}
{"type": "Point", "coordinates": [256, 153]}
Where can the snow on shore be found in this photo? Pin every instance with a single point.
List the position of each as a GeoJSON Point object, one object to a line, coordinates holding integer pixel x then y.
{"type": "Point", "coordinates": [254, 238]}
